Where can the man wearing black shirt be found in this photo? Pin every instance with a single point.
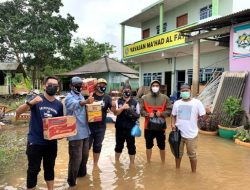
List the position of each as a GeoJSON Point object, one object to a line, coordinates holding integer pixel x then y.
{"type": "Point", "coordinates": [98, 128]}
{"type": "Point", "coordinates": [38, 149]}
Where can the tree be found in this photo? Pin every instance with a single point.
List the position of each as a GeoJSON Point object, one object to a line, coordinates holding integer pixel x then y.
{"type": "Point", "coordinates": [34, 33]}
{"type": "Point", "coordinates": [84, 51]}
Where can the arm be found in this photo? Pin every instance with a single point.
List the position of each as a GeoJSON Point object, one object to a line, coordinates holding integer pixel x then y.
{"type": "Point", "coordinates": [73, 104]}
{"type": "Point", "coordinates": [144, 113]}
{"type": "Point", "coordinates": [168, 110]}
{"type": "Point", "coordinates": [118, 111]}
{"type": "Point", "coordinates": [25, 107]}
{"type": "Point", "coordinates": [173, 122]}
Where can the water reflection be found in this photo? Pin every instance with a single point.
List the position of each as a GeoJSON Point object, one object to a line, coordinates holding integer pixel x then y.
{"type": "Point", "coordinates": [221, 165]}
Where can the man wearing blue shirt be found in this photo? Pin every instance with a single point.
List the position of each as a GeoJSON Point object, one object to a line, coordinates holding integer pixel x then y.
{"type": "Point", "coordinates": [38, 149]}
{"type": "Point", "coordinates": [78, 144]}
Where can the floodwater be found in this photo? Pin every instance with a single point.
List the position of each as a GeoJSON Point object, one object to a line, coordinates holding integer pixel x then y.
{"type": "Point", "coordinates": [221, 165]}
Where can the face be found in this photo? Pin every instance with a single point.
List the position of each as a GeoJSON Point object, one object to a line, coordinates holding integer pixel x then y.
{"type": "Point", "coordinates": [185, 93]}
{"type": "Point", "coordinates": [127, 92]}
{"type": "Point", "coordinates": [155, 85]}
{"type": "Point", "coordinates": [52, 83]}
{"type": "Point", "coordinates": [101, 87]}
{"type": "Point", "coordinates": [51, 87]}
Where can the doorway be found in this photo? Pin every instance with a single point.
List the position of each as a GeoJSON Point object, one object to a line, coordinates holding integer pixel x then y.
{"type": "Point", "coordinates": [168, 82]}
{"type": "Point", "coordinates": [180, 81]}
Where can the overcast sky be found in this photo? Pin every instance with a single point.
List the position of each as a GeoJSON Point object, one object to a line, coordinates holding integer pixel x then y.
{"type": "Point", "coordinates": [100, 19]}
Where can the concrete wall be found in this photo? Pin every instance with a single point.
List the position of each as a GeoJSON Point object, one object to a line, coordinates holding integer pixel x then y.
{"type": "Point", "coordinates": [241, 64]}
{"type": "Point", "coordinates": [226, 7]}
{"type": "Point", "coordinates": [210, 60]}
{"type": "Point", "coordinates": [192, 8]}
{"type": "Point", "coordinates": [240, 5]}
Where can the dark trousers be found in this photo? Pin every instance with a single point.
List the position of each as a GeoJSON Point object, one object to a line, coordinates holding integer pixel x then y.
{"type": "Point", "coordinates": [122, 135]}
{"type": "Point", "coordinates": [96, 137]}
{"type": "Point", "coordinates": [35, 155]}
{"type": "Point", "coordinates": [160, 136]}
{"type": "Point", "coordinates": [78, 157]}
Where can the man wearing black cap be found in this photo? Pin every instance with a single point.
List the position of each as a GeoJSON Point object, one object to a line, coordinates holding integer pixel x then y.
{"type": "Point", "coordinates": [185, 115]}
{"type": "Point", "coordinates": [158, 106]}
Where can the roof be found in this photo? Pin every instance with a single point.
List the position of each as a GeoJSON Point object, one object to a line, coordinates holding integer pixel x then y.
{"type": "Point", "coordinates": [8, 66]}
{"type": "Point", "coordinates": [131, 76]}
{"type": "Point", "coordinates": [151, 12]}
{"type": "Point", "coordinates": [102, 65]}
{"type": "Point", "coordinates": [220, 22]}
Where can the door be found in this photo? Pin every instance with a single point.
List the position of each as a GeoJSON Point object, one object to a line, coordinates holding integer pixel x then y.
{"type": "Point", "coordinates": [145, 33]}
{"type": "Point", "coordinates": [168, 82]}
{"type": "Point", "coordinates": [180, 81]}
{"type": "Point", "coordinates": [181, 20]}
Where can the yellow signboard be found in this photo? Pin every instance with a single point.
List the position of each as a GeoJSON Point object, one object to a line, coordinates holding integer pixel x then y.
{"type": "Point", "coordinates": [163, 41]}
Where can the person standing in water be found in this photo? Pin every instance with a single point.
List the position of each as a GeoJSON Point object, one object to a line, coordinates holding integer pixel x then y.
{"type": "Point", "coordinates": [155, 104]}
{"type": "Point", "coordinates": [98, 128]}
{"type": "Point", "coordinates": [127, 112]}
{"type": "Point", "coordinates": [185, 114]}
{"type": "Point", "coordinates": [38, 149]}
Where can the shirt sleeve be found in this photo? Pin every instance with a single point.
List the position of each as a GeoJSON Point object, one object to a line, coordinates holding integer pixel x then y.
{"type": "Point", "coordinates": [109, 102]}
{"type": "Point", "coordinates": [201, 108]}
{"type": "Point", "coordinates": [138, 108]}
{"type": "Point", "coordinates": [71, 103]}
{"type": "Point", "coordinates": [174, 110]}
{"type": "Point", "coordinates": [143, 111]}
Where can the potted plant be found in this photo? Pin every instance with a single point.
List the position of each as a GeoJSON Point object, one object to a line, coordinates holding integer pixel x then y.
{"type": "Point", "coordinates": [208, 124]}
{"type": "Point", "coordinates": [242, 136]}
{"type": "Point", "coordinates": [231, 117]}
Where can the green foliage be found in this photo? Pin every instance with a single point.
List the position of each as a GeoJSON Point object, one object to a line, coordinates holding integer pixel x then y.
{"type": "Point", "coordinates": [243, 135]}
{"type": "Point", "coordinates": [209, 122]}
{"type": "Point", "coordinates": [232, 112]}
{"type": "Point", "coordinates": [33, 32]}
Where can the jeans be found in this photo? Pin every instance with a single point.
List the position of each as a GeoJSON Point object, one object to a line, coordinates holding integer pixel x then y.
{"type": "Point", "coordinates": [78, 157]}
{"type": "Point", "coordinates": [35, 154]}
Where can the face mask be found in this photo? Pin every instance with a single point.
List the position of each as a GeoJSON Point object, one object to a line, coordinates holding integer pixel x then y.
{"type": "Point", "coordinates": [185, 95]}
{"type": "Point", "coordinates": [126, 94]}
{"type": "Point", "coordinates": [101, 89]}
{"type": "Point", "coordinates": [77, 89]}
{"type": "Point", "coordinates": [51, 90]}
{"type": "Point", "coordinates": [155, 89]}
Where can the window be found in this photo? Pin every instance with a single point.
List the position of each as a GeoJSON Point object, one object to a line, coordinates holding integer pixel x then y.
{"type": "Point", "coordinates": [149, 77]}
{"type": "Point", "coordinates": [206, 12]}
{"type": "Point", "coordinates": [164, 28]}
{"type": "Point", "coordinates": [145, 33]}
{"type": "Point", "coordinates": [205, 74]}
{"type": "Point", "coordinates": [182, 20]}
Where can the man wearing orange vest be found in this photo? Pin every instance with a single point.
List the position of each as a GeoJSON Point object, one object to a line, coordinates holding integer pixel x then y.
{"type": "Point", "coordinates": [158, 106]}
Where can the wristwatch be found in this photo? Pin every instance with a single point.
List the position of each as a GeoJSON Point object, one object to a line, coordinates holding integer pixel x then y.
{"type": "Point", "coordinates": [29, 104]}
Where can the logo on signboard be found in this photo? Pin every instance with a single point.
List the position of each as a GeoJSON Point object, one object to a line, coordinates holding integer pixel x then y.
{"type": "Point", "coordinates": [243, 40]}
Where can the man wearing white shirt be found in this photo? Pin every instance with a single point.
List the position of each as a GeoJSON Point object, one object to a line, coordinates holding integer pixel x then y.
{"type": "Point", "coordinates": [185, 114]}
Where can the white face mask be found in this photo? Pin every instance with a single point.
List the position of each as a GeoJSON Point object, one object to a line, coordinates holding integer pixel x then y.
{"type": "Point", "coordinates": [155, 89]}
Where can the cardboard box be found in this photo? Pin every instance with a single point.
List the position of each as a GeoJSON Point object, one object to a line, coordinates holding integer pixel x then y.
{"type": "Point", "coordinates": [94, 112]}
{"type": "Point", "coordinates": [88, 86]}
{"type": "Point", "coordinates": [59, 127]}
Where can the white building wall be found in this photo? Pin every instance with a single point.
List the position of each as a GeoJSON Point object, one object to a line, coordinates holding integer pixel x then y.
{"type": "Point", "coordinates": [192, 8]}
{"type": "Point", "coordinates": [207, 60]}
{"type": "Point", "coordinates": [240, 5]}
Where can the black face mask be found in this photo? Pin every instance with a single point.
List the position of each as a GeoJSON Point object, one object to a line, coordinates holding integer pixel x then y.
{"type": "Point", "coordinates": [77, 89]}
{"type": "Point", "coordinates": [51, 90]}
{"type": "Point", "coordinates": [126, 94]}
{"type": "Point", "coordinates": [101, 89]}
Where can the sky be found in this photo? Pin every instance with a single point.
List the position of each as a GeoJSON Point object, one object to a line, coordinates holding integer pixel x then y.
{"type": "Point", "coordinates": [100, 19]}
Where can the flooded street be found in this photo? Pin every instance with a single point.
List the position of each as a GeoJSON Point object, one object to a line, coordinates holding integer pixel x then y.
{"type": "Point", "coordinates": [221, 165]}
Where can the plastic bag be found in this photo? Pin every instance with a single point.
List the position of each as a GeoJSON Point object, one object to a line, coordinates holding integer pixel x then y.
{"type": "Point", "coordinates": [136, 131]}
{"type": "Point", "coordinates": [131, 114]}
{"type": "Point", "coordinates": [174, 140]}
{"type": "Point", "coordinates": [157, 123]}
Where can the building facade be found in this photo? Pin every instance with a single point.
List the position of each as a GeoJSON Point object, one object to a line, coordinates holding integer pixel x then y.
{"type": "Point", "coordinates": [164, 54]}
